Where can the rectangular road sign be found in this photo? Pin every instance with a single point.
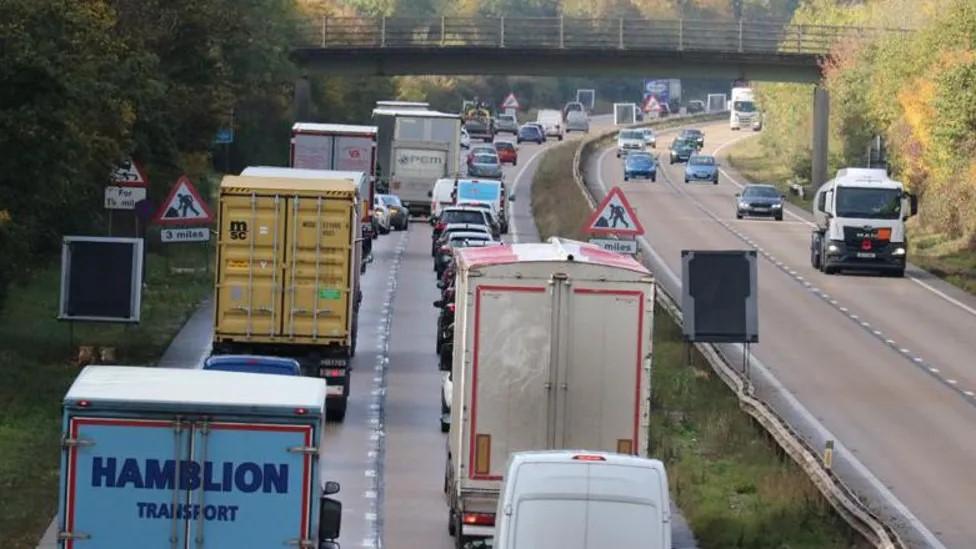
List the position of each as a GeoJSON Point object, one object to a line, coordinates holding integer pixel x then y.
{"type": "Point", "coordinates": [189, 234]}
{"type": "Point", "coordinates": [123, 198]}
{"type": "Point", "coordinates": [619, 246]}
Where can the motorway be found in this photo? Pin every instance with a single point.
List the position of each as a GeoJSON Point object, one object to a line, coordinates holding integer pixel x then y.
{"type": "Point", "coordinates": [884, 364]}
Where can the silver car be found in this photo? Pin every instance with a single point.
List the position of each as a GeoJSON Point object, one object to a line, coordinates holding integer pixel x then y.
{"type": "Point", "coordinates": [506, 123]}
{"type": "Point", "coordinates": [577, 121]}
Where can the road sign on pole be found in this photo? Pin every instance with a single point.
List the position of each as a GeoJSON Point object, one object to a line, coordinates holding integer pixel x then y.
{"type": "Point", "coordinates": [614, 216]}
{"type": "Point", "coordinates": [184, 206]}
{"type": "Point", "coordinates": [510, 102]}
{"type": "Point", "coordinates": [129, 174]}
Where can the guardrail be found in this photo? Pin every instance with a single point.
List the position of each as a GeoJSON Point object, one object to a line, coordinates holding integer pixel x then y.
{"type": "Point", "coordinates": [841, 498]}
{"type": "Point", "coordinates": [571, 33]}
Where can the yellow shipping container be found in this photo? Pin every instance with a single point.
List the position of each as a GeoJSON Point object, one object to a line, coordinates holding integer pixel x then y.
{"type": "Point", "coordinates": [288, 263]}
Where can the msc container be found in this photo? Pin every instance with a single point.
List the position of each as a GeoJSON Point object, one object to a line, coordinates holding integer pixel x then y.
{"type": "Point", "coordinates": [163, 458]}
{"type": "Point", "coordinates": [552, 347]}
{"type": "Point", "coordinates": [288, 256]}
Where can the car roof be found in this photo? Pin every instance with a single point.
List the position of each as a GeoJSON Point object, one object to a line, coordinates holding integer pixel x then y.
{"type": "Point", "coordinates": [477, 235]}
{"type": "Point", "coordinates": [759, 186]}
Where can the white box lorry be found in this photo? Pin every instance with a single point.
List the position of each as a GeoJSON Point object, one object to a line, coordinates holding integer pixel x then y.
{"type": "Point", "coordinates": [162, 457]}
{"type": "Point", "coordinates": [415, 148]}
{"type": "Point", "coordinates": [552, 347]}
{"type": "Point", "coordinates": [578, 499]}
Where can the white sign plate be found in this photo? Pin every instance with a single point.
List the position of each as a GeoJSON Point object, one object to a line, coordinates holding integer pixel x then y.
{"type": "Point", "coordinates": [618, 246]}
{"type": "Point", "coordinates": [191, 234]}
{"type": "Point", "coordinates": [123, 198]}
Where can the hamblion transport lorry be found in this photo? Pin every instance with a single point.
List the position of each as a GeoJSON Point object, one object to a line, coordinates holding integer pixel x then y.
{"type": "Point", "coordinates": [159, 458]}
{"type": "Point", "coordinates": [289, 254]}
{"type": "Point", "coordinates": [552, 347]}
{"type": "Point", "coordinates": [415, 148]}
{"type": "Point", "coordinates": [860, 223]}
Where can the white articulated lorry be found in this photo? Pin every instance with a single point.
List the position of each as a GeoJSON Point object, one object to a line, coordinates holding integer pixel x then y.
{"type": "Point", "coordinates": [860, 223]}
{"type": "Point", "coordinates": [552, 348]}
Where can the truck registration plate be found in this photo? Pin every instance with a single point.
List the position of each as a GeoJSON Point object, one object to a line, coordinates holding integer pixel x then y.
{"type": "Point", "coordinates": [866, 255]}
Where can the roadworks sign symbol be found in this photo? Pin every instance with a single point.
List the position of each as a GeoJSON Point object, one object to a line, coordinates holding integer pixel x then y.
{"type": "Point", "coordinates": [129, 174]}
{"type": "Point", "coordinates": [510, 102]}
{"type": "Point", "coordinates": [614, 216]}
{"type": "Point", "coordinates": [184, 206]}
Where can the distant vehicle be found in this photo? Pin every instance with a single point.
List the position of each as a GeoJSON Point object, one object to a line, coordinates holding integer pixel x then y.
{"type": "Point", "coordinates": [640, 165]}
{"type": "Point", "coordinates": [480, 149]}
{"type": "Point", "coordinates": [577, 121]}
{"type": "Point", "coordinates": [507, 153]}
{"type": "Point", "coordinates": [759, 201]}
{"type": "Point", "coordinates": [742, 110]}
{"type": "Point", "coordinates": [458, 239]}
{"type": "Point", "coordinates": [531, 132]}
{"type": "Point", "coordinates": [649, 138]}
{"type": "Point", "coordinates": [381, 214]}
{"type": "Point", "coordinates": [548, 296]}
{"type": "Point", "coordinates": [481, 226]}
{"type": "Point", "coordinates": [701, 167]}
{"type": "Point", "coordinates": [441, 196]}
{"type": "Point", "coordinates": [485, 165]}
{"type": "Point", "coordinates": [506, 123]}
{"type": "Point", "coordinates": [695, 106]}
{"type": "Point", "coordinates": [860, 222]}
{"type": "Point", "coordinates": [578, 499]}
{"type": "Point", "coordinates": [552, 121]}
{"type": "Point", "coordinates": [399, 215]}
{"type": "Point", "coordinates": [151, 453]}
{"type": "Point", "coordinates": [681, 150]}
{"type": "Point", "coordinates": [455, 214]}
{"type": "Point", "coordinates": [478, 121]}
{"type": "Point", "coordinates": [493, 222]}
{"type": "Point", "coordinates": [629, 141]}
{"type": "Point", "coordinates": [573, 106]}
{"type": "Point", "coordinates": [489, 191]}
{"type": "Point", "coordinates": [465, 139]}
{"type": "Point", "coordinates": [693, 134]}
{"type": "Point", "coordinates": [254, 364]}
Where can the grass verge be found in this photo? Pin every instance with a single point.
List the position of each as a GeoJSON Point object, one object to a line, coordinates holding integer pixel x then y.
{"type": "Point", "coordinates": [749, 159]}
{"type": "Point", "coordinates": [34, 361]}
{"type": "Point", "coordinates": [953, 260]}
{"type": "Point", "coordinates": [731, 480]}
{"type": "Point", "coordinates": [734, 484]}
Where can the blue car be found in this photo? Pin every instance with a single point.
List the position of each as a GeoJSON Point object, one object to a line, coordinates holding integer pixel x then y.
{"type": "Point", "coordinates": [641, 165]}
{"type": "Point", "coordinates": [531, 132]}
{"type": "Point", "coordinates": [254, 364]}
{"type": "Point", "coordinates": [701, 167]}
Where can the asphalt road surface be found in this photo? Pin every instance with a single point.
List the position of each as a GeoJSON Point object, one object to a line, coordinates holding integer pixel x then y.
{"type": "Point", "coordinates": [885, 364]}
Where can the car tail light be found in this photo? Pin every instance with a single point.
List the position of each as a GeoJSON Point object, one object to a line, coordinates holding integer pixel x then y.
{"type": "Point", "coordinates": [478, 519]}
{"type": "Point", "coordinates": [588, 457]}
{"type": "Point", "coordinates": [84, 403]}
{"type": "Point", "coordinates": [301, 411]}
{"type": "Point", "coordinates": [440, 226]}
{"type": "Point", "coordinates": [334, 372]}
{"type": "Point", "coordinates": [450, 307]}
{"type": "Point", "coordinates": [866, 244]}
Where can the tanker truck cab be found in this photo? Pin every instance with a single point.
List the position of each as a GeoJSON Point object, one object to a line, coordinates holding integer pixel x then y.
{"type": "Point", "coordinates": [159, 457]}
{"type": "Point", "coordinates": [860, 223]}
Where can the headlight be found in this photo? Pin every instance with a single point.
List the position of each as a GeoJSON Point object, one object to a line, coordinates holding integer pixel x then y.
{"type": "Point", "coordinates": [777, 206]}
{"type": "Point", "coordinates": [832, 248]}
{"type": "Point", "coordinates": [899, 251]}
{"type": "Point", "coordinates": [743, 204]}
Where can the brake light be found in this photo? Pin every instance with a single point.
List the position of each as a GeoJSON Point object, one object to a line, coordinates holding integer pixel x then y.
{"type": "Point", "coordinates": [479, 519]}
{"type": "Point", "coordinates": [866, 244]}
{"type": "Point", "coordinates": [588, 457]}
{"type": "Point", "coordinates": [84, 403]}
{"type": "Point", "coordinates": [440, 226]}
{"type": "Point", "coordinates": [450, 307]}
{"type": "Point", "coordinates": [334, 372]}
{"type": "Point", "coordinates": [300, 411]}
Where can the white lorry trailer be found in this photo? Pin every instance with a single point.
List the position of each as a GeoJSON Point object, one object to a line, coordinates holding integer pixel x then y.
{"type": "Point", "coordinates": [415, 148]}
{"type": "Point", "coordinates": [860, 223]}
{"type": "Point", "coordinates": [552, 347]}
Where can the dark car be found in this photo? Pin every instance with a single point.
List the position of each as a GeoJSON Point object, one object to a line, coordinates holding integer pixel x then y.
{"type": "Point", "coordinates": [254, 364]}
{"type": "Point", "coordinates": [759, 201]}
{"type": "Point", "coordinates": [399, 215]}
{"type": "Point", "coordinates": [693, 134]}
{"type": "Point", "coordinates": [681, 150]}
{"type": "Point", "coordinates": [641, 165]}
{"type": "Point", "coordinates": [696, 106]}
{"type": "Point", "coordinates": [531, 132]}
{"type": "Point", "coordinates": [701, 167]}
{"type": "Point", "coordinates": [485, 165]}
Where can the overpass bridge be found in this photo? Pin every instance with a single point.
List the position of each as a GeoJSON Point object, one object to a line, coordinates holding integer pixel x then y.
{"type": "Point", "coordinates": [549, 46]}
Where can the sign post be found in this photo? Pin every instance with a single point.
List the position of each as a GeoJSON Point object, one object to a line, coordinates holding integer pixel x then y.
{"type": "Point", "coordinates": [612, 219]}
{"type": "Point", "coordinates": [127, 185]}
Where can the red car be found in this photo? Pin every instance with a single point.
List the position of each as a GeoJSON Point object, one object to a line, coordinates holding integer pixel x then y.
{"type": "Point", "coordinates": [507, 153]}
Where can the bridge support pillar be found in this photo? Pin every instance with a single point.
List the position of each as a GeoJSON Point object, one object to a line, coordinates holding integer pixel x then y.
{"type": "Point", "coordinates": [302, 103]}
{"type": "Point", "coordinates": [821, 124]}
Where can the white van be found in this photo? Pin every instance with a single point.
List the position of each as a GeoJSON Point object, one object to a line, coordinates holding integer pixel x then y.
{"type": "Point", "coordinates": [441, 196]}
{"type": "Point", "coordinates": [583, 500]}
{"type": "Point", "coordinates": [552, 121]}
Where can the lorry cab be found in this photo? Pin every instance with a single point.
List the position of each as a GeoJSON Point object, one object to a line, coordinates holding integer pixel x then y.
{"type": "Point", "coordinates": [159, 457]}
{"type": "Point", "coordinates": [578, 499]}
{"type": "Point", "coordinates": [860, 222]}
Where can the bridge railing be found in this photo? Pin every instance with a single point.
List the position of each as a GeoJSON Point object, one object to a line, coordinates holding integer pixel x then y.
{"type": "Point", "coordinates": [577, 34]}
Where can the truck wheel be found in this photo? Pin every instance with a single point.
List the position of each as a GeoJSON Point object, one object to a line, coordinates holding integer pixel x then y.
{"type": "Point", "coordinates": [898, 273]}
{"type": "Point", "coordinates": [452, 523]}
{"type": "Point", "coordinates": [445, 426]}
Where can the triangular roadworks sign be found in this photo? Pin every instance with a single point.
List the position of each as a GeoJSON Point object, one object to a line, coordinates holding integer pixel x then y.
{"type": "Point", "coordinates": [510, 102]}
{"type": "Point", "coordinates": [614, 216]}
{"type": "Point", "coordinates": [129, 174]}
{"type": "Point", "coordinates": [184, 206]}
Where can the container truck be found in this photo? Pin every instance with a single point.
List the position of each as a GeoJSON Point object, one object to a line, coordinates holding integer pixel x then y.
{"type": "Point", "coordinates": [289, 253]}
{"type": "Point", "coordinates": [415, 148]}
{"type": "Point", "coordinates": [860, 223]}
{"type": "Point", "coordinates": [157, 457]}
{"type": "Point", "coordinates": [339, 147]}
{"type": "Point", "coordinates": [552, 347]}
